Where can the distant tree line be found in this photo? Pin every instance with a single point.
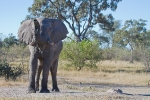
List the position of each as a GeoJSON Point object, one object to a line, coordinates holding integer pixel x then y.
{"type": "Point", "coordinates": [115, 41]}
{"type": "Point", "coordinates": [9, 41]}
{"type": "Point", "coordinates": [129, 42]}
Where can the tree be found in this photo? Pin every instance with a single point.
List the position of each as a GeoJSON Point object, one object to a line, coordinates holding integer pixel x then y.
{"type": "Point", "coordinates": [9, 41]}
{"type": "Point", "coordinates": [107, 35]}
{"type": "Point", "coordinates": [132, 34]}
{"type": "Point", "coordinates": [101, 38]}
{"type": "Point", "coordinates": [80, 15]}
{"type": "Point", "coordinates": [144, 50]}
{"type": "Point", "coordinates": [82, 54]}
{"type": "Point", "coordinates": [1, 39]}
{"type": "Point", "coordinates": [104, 37]}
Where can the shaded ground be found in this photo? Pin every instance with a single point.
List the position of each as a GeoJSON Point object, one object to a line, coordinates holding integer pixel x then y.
{"type": "Point", "coordinates": [77, 91]}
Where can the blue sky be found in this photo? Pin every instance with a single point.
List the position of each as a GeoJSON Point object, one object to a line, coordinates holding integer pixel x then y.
{"type": "Point", "coordinates": [12, 12]}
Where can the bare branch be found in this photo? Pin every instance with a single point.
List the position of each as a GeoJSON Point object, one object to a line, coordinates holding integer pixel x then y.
{"type": "Point", "coordinates": [89, 20]}
{"type": "Point", "coordinates": [60, 15]}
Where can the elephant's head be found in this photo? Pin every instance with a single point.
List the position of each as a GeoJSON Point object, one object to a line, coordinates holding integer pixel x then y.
{"type": "Point", "coordinates": [42, 31]}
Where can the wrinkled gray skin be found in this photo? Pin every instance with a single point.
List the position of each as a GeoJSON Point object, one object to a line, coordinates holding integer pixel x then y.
{"type": "Point", "coordinates": [44, 38]}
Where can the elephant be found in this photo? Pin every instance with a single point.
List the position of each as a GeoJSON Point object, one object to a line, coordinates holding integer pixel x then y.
{"type": "Point", "coordinates": [44, 37]}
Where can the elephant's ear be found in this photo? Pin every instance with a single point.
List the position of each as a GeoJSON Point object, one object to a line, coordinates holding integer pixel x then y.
{"type": "Point", "coordinates": [27, 31]}
{"type": "Point", "coordinates": [59, 31]}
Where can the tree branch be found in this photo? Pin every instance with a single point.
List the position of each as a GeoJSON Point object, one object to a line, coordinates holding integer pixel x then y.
{"type": "Point", "coordinates": [89, 20]}
{"type": "Point", "coordinates": [60, 15]}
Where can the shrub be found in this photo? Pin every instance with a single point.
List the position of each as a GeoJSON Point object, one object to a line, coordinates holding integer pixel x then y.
{"type": "Point", "coordinates": [82, 54]}
{"type": "Point", "coordinates": [14, 53]}
{"type": "Point", "coordinates": [115, 53]}
{"type": "Point", "coordinates": [10, 72]}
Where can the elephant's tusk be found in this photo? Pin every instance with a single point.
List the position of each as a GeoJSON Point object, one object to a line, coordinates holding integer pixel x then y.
{"type": "Point", "coordinates": [51, 43]}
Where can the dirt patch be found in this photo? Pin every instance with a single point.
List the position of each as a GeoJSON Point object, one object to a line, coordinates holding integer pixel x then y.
{"type": "Point", "coordinates": [77, 91]}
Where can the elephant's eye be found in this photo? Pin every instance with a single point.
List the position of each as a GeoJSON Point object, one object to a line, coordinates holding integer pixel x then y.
{"type": "Point", "coordinates": [50, 28]}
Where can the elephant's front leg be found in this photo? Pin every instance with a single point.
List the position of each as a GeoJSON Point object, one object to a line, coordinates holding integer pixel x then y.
{"type": "Point", "coordinates": [32, 71]}
{"type": "Point", "coordinates": [40, 66]}
{"type": "Point", "coordinates": [46, 66]}
{"type": "Point", "coordinates": [53, 70]}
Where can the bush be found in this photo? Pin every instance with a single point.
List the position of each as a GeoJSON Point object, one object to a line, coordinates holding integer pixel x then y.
{"type": "Point", "coordinates": [10, 72]}
{"type": "Point", "coordinates": [115, 53]}
{"type": "Point", "coordinates": [82, 54]}
{"type": "Point", "coordinates": [14, 53]}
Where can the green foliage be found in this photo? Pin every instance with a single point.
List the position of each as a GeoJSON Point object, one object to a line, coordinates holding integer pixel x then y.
{"type": "Point", "coordinates": [93, 35]}
{"type": "Point", "coordinates": [80, 15]}
{"type": "Point", "coordinates": [9, 41]}
{"type": "Point", "coordinates": [82, 54]}
{"type": "Point", "coordinates": [11, 48]}
{"type": "Point", "coordinates": [10, 72]}
{"type": "Point", "coordinates": [132, 33]}
{"type": "Point", "coordinates": [14, 53]}
{"type": "Point", "coordinates": [144, 57]}
{"type": "Point", "coordinates": [116, 53]}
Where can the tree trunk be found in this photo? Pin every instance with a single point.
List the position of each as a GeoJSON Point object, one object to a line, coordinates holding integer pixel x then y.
{"type": "Point", "coordinates": [131, 59]}
{"type": "Point", "coordinates": [78, 39]}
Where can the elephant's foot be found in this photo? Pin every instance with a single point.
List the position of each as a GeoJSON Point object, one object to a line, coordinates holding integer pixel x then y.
{"type": "Point", "coordinates": [44, 91]}
{"type": "Point", "coordinates": [37, 88]}
{"type": "Point", "coordinates": [55, 89]}
{"type": "Point", "coordinates": [30, 90]}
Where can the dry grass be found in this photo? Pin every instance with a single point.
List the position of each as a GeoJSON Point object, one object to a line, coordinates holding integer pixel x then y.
{"type": "Point", "coordinates": [120, 66]}
{"type": "Point", "coordinates": [10, 83]}
{"type": "Point", "coordinates": [121, 78]}
{"type": "Point", "coordinates": [108, 72]}
{"type": "Point", "coordinates": [18, 63]}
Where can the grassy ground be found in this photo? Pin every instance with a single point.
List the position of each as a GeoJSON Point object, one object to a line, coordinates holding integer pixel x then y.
{"type": "Point", "coordinates": [91, 83]}
{"type": "Point", "coordinates": [108, 72]}
{"type": "Point", "coordinates": [111, 72]}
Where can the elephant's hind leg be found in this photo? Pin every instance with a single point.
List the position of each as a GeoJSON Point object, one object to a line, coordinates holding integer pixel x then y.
{"type": "Point", "coordinates": [53, 70]}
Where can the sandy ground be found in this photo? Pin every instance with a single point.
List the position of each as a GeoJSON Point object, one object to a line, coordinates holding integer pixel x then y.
{"type": "Point", "coordinates": [77, 91]}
